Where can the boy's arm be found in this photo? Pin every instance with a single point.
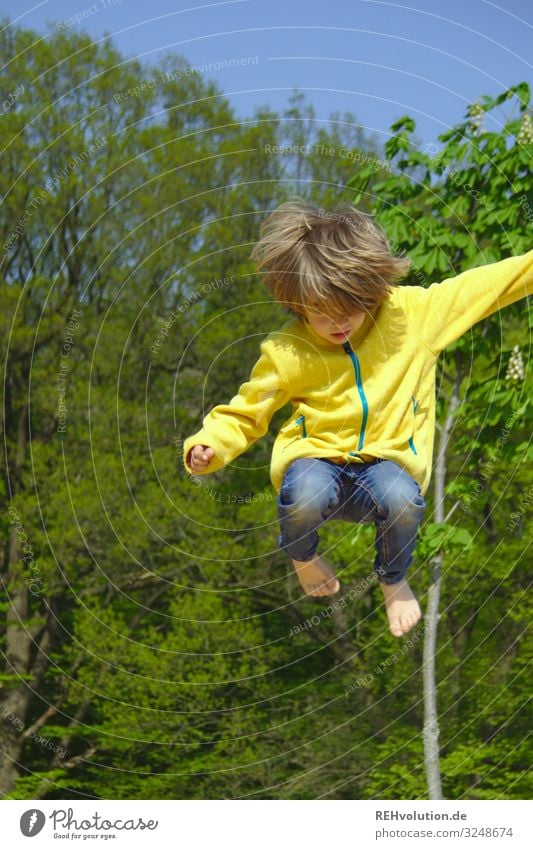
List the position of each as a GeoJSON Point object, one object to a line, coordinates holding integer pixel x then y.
{"type": "Point", "coordinates": [231, 428]}
{"type": "Point", "coordinates": [443, 312]}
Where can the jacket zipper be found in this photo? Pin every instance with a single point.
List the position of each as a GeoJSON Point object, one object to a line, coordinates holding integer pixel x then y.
{"type": "Point", "coordinates": [411, 441]}
{"type": "Point", "coordinates": [353, 356]}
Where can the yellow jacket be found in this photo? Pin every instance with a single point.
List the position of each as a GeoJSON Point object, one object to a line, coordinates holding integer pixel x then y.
{"type": "Point", "coordinates": [373, 396]}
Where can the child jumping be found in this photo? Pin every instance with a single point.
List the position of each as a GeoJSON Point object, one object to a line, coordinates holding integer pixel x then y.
{"type": "Point", "coordinates": [357, 360]}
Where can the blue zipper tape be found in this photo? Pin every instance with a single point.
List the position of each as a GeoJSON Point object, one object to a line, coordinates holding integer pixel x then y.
{"type": "Point", "coordinates": [353, 356]}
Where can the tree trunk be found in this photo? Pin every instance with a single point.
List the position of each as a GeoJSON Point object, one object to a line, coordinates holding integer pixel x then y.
{"type": "Point", "coordinates": [14, 701]}
{"type": "Point", "coordinates": [431, 720]}
{"type": "Point", "coordinates": [15, 698]}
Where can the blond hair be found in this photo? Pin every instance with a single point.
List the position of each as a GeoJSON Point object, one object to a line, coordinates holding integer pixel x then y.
{"type": "Point", "coordinates": [337, 262]}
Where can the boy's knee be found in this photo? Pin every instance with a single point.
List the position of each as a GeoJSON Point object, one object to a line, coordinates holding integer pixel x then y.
{"type": "Point", "coordinates": [305, 500]}
{"type": "Point", "coordinates": [309, 494]}
{"type": "Point", "coordinates": [404, 505]}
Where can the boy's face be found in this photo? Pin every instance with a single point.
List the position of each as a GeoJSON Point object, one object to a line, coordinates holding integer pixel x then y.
{"type": "Point", "coordinates": [334, 329]}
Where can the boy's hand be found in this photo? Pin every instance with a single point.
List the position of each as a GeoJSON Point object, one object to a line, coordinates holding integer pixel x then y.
{"type": "Point", "coordinates": [200, 456]}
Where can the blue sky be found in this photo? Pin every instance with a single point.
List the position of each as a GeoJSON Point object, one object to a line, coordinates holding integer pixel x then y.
{"type": "Point", "coordinates": [375, 58]}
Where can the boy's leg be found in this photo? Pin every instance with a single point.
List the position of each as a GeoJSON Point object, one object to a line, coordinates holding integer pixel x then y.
{"type": "Point", "coordinates": [310, 494]}
{"type": "Point", "coordinates": [386, 494]}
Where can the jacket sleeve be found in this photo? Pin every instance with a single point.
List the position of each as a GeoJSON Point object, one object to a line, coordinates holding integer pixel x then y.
{"type": "Point", "coordinates": [232, 428]}
{"type": "Point", "coordinates": [443, 312]}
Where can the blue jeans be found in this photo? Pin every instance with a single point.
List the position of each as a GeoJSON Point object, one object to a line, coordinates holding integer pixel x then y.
{"type": "Point", "coordinates": [315, 490]}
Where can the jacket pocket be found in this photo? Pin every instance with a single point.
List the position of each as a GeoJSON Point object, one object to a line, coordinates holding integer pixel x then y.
{"type": "Point", "coordinates": [296, 429]}
{"type": "Point", "coordinates": [301, 421]}
{"type": "Point", "coordinates": [411, 440]}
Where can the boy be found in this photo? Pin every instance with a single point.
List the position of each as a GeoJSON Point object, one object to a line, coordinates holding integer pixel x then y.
{"type": "Point", "coordinates": [357, 360]}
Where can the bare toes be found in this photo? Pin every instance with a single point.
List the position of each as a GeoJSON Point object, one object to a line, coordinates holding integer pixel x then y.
{"type": "Point", "coordinates": [396, 628]}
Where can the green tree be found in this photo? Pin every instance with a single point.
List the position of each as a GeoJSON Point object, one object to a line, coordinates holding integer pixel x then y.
{"type": "Point", "coordinates": [465, 203]}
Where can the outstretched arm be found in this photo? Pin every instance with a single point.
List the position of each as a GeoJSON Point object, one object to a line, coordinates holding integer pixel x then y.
{"type": "Point", "coordinates": [232, 428]}
{"type": "Point", "coordinates": [444, 311]}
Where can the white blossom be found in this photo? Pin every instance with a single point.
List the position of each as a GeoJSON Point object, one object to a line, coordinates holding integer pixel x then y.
{"type": "Point", "coordinates": [475, 113]}
{"type": "Point", "coordinates": [525, 136]}
{"type": "Point", "coordinates": [515, 368]}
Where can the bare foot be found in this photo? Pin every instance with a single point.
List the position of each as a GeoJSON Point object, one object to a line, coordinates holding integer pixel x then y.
{"type": "Point", "coordinates": [316, 577]}
{"type": "Point", "coordinates": [402, 607]}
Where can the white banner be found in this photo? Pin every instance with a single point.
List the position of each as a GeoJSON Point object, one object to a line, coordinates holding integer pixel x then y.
{"type": "Point", "coordinates": [266, 824]}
